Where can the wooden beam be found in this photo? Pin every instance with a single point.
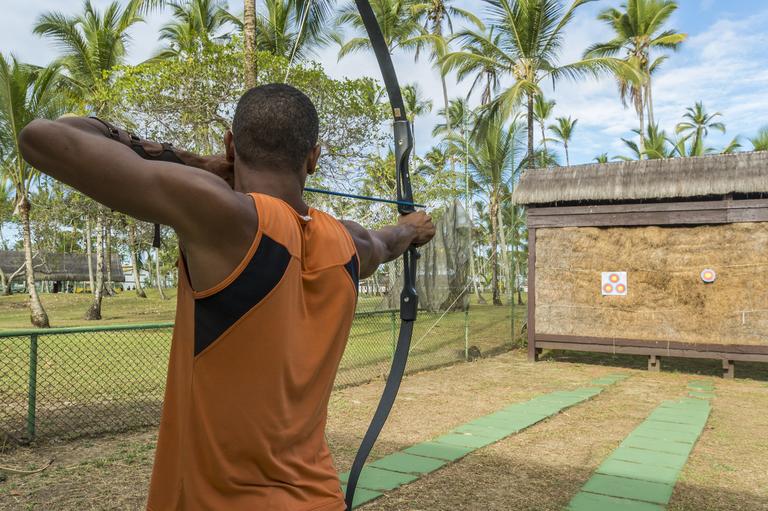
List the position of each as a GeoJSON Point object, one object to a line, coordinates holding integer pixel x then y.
{"type": "Point", "coordinates": [674, 213]}
{"type": "Point", "coordinates": [640, 350]}
{"type": "Point", "coordinates": [659, 344]}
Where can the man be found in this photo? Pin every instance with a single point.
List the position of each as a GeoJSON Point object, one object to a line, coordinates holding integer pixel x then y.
{"type": "Point", "coordinates": [267, 294]}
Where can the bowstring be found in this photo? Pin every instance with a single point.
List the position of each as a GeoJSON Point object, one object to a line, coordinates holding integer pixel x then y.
{"type": "Point", "coordinates": [302, 23]}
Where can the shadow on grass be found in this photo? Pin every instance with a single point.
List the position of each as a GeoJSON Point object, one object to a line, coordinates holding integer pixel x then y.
{"type": "Point", "coordinates": [704, 367]}
{"type": "Point", "coordinates": [521, 482]}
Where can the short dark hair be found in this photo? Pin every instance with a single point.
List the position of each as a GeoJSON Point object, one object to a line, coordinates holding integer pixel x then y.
{"type": "Point", "coordinates": [275, 124]}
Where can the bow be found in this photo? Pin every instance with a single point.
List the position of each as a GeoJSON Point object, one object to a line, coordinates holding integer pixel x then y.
{"type": "Point", "coordinates": [405, 205]}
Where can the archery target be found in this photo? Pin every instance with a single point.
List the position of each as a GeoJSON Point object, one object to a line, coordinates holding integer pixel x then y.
{"type": "Point", "coordinates": [708, 276]}
{"type": "Point", "coordinates": [614, 283]}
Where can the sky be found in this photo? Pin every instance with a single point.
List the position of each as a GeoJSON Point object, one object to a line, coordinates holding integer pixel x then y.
{"type": "Point", "coordinates": [724, 63]}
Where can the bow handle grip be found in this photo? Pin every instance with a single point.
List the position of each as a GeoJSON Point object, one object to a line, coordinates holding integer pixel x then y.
{"type": "Point", "coordinates": [403, 147]}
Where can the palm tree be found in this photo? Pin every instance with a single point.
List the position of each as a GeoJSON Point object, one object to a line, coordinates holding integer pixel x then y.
{"type": "Point", "coordinates": [601, 158]}
{"type": "Point", "coordinates": [436, 18]}
{"type": "Point", "coordinates": [530, 38]}
{"type": "Point", "coordinates": [563, 132]}
{"type": "Point", "coordinates": [657, 145]}
{"type": "Point", "coordinates": [696, 125]}
{"type": "Point", "coordinates": [494, 163]}
{"type": "Point", "coordinates": [760, 141]}
{"type": "Point", "coordinates": [453, 116]}
{"type": "Point", "coordinates": [638, 31]}
{"type": "Point", "coordinates": [195, 23]}
{"type": "Point", "coordinates": [92, 44]}
{"type": "Point", "coordinates": [415, 103]}
{"type": "Point", "coordinates": [481, 45]}
{"type": "Point", "coordinates": [398, 26]}
{"type": "Point", "coordinates": [26, 93]}
{"type": "Point", "coordinates": [6, 209]}
{"type": "Point", "coordinates": [250, 64]}
{"type": "Point", "coordinates": [286, 17]}
{"type": "Point", "coordinates": [290, 29]}
{"type": "Point", "coordinates": [542, 109]}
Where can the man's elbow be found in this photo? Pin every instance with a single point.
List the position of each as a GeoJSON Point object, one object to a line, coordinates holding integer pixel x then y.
{"type": "Point", "coordinates": [31, 137]}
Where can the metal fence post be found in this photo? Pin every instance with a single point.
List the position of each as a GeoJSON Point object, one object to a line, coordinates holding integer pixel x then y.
{"type": "Point", "coordinates": [393, 325]}
{"type": "Point", "coordinates": [466, 334]}
{"type": "Point", "coordinates": [32, 394]}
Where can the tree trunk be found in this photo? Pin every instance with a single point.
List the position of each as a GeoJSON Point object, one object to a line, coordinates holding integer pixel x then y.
{"type": "Point", "coordinates": [531, 163]}
{"type": "Point", "coordinates": [649, 101]}
{"type": "Point", "coordinates": [5, 282]}
{"type": "Point", "coordinates": [158, 278]}
{"type": "Point", "coordinates": [544, 142]}
{"type": "Point", "coordinates": [109, 289]}
{"type": "Point", "coordinates": [494, 255]}
{"type": "Point", "coordinates": [38, 316]}
{"type": "Point", "coordinates": [504, 251]}
{"type": "Point", "coordinates": [249, 37]}
{"type": "Point", "coordinates": [467, 206]}
{"type": "Point", "coordinates": [3, 242]}
{"type": "Point", "coordinates": [94, 311]}
{"type": "Point", "coordinates": [134, 261]}
{"type": "Point", "coordinates": [89, 251]}
{"type": "Point", "coordinates": [448, 125]}
{"type": "Point", "coordinates": [567, 158]}
{"type": "Point", "coordinates": [640, 113]}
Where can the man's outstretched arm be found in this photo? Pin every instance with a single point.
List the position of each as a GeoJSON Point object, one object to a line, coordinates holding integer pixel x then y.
{"type": "Point", "coordinates": [376, 247]}
{"type": "Point", "coordinates": [77, 152]}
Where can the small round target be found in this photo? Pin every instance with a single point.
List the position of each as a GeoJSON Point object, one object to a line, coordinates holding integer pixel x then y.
{"type": "Point", "coordinates": [608, 288]}
{"type": "Point", "coordinates": [708, 275]}
{"type": "Point", "coordinates": [620, 288]}
{"type": "Point", "coordinates": [614, 278]}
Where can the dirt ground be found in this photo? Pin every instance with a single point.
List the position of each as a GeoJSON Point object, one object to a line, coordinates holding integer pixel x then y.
{"type": "Point", "coordinates": [539, 469]}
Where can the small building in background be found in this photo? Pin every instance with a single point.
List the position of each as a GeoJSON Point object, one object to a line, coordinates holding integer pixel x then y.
{"type": "Point", "coordinates": [56, 272]}
{"type": "Point", "coordinates": [662, 258]}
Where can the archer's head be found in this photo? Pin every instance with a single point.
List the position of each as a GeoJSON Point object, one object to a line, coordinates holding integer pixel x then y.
{"type": "Point", "coordinates": [275, 130]}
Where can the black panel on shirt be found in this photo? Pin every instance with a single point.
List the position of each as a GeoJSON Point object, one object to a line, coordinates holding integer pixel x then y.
{"type": "Point", "coordinates": [353, 268]}
{"type": "Point", "coordinates": [216, 313]}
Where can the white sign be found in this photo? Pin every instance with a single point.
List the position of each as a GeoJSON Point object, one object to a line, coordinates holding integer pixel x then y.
{"type": "Point", "coordinates": [614, 283]}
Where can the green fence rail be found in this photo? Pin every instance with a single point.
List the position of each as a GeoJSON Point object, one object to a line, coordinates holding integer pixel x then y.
{"type": "Point", "coordinates": [69, 382]}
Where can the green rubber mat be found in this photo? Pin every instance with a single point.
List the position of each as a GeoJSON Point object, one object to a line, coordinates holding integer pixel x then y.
{"type": "Point", "coordinates": [439, 451]}
{"type": "Point", "coordinates": [408, 463]}
{"type": "Point", "coordinates": [641, 473]}
{"type": "Point", "coordinates": [361, 495]}
{"type": "Point", "coordinates": [406, 466]}
{"type": "Point", "coordinates": [594, 502]}
{"type": "Point", "coordinates": [376, 479]}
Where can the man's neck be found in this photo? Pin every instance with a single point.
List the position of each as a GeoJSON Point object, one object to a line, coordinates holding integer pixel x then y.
{"type": "Point", "coordinates": [283, 184]}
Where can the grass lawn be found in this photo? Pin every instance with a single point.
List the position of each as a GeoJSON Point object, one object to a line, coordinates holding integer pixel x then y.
{"type": "Point", "coordinates": [538, 469]}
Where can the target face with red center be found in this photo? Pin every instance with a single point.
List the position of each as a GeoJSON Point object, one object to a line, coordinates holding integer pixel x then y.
{"type": "Point", "coordinates": [614, 283]}
{"type": "Point", "coordinates": [708, 276]}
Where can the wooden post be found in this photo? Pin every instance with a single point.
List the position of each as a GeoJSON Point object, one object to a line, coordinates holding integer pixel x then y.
{"type": "Point", "coordinates": [729, 368]}
{"type": "Point", "coordinates": [533, 353]}
{"type": "Point", "coordinates": [654, 363]}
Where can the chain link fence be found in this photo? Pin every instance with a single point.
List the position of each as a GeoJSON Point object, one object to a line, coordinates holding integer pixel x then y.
{"type": "Point", "coordinates": [63, 383]}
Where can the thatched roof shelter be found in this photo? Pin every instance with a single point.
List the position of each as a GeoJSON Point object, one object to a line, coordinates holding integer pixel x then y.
{"type": "Point", "coordinates": [54, 267]}
{"type": "Point", "coordinates": [677, 178]}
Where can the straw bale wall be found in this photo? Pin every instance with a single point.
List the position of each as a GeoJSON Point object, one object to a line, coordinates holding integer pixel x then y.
{"type": "Point", "coordinates": [666, 299]}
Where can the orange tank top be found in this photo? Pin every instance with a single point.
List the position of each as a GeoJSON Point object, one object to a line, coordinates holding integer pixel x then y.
{"type": "Point", "coordinates": [252, 366]}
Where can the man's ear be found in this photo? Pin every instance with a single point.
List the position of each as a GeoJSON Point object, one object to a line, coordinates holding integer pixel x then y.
{"type": "Point", "coordinates": [229, 145]}
{"type": "Point", "coordinates": [314, 155]}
